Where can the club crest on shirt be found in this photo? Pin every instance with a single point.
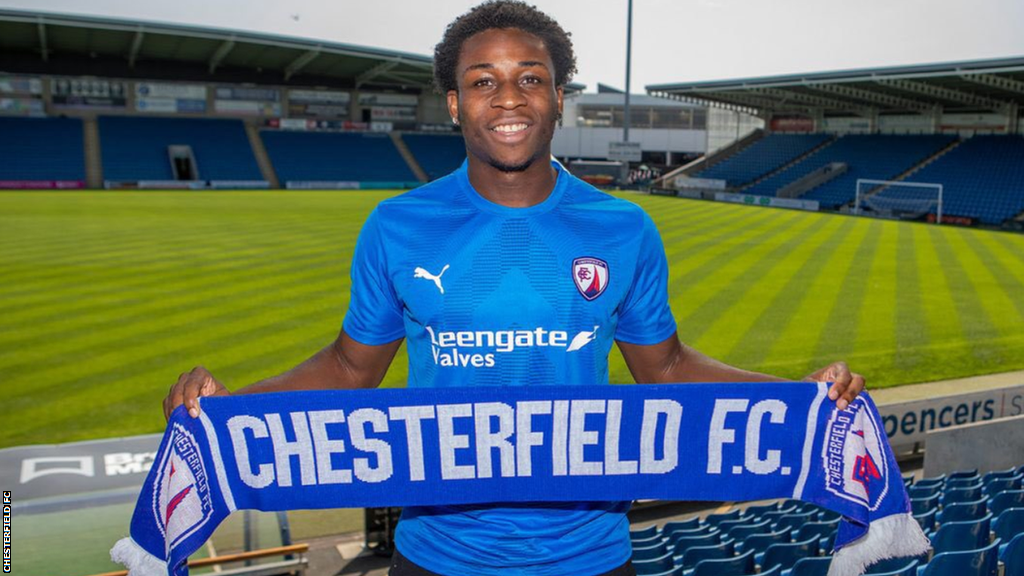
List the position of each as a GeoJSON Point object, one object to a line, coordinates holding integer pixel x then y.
{"type": "Point", "coordinates": [181, 497]}
{"type": "Point", "coordinates": [854, 461]}
{"type": "Point", "coordinates": [590, 276]}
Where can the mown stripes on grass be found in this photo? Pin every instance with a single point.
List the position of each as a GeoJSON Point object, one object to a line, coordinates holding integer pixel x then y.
{"type": "Point", "coordinates": [106, 297]}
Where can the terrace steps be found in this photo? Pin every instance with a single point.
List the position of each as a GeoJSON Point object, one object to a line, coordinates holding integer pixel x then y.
{"type": "Point", "coordinates": [260, 152]}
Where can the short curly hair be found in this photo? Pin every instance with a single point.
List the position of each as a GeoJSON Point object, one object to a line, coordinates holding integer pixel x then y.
{"type": "Point", "coordinates": [502, 14]}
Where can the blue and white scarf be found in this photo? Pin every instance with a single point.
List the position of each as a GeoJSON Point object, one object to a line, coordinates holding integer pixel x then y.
{"type": "Point", "coordinates": [425, 447]}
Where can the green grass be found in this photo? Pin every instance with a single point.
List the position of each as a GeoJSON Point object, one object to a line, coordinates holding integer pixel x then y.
{"type": "Point", "coordinates": [106, 297]}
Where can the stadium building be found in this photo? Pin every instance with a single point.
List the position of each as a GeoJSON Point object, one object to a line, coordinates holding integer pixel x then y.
{"type": "Point", "coordinates": [163, 106]}
{"type": "Point", "coordinates": [940, 141]}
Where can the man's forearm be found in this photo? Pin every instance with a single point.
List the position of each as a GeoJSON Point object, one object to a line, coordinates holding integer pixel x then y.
{"type": "Point", "coordinates": [322, 371]}
{"type": "Point", "coordinates": [690, 365]}
{"type": "Point", "coordinates": [345, 364]}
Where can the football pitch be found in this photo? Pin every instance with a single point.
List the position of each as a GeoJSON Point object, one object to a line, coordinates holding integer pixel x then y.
{"type": "Point", "coordinates": [107, 296]}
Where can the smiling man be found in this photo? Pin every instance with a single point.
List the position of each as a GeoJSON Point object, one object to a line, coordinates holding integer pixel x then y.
{"type": "Point", "coordinates": [507, 272]}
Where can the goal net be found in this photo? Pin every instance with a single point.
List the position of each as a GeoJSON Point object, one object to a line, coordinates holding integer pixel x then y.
{"type": "Point", "coordinates": [904, 200]}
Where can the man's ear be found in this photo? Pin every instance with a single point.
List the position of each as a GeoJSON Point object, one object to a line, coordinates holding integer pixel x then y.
{"type": "Point", "coordinates": [559, 96]}
{"type": "Point", "coordinates": [453, 105]}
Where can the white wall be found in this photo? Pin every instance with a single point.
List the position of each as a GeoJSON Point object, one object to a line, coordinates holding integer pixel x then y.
{"type": "Point", "coordinates": [905, 124]}
{"type": "Point", "coordinates": [573, 142]}
{"type": "Point", "coordinates": [723, 128]}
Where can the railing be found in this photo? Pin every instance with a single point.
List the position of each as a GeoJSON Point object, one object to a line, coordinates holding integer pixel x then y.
{"type": "Point", "coordinates": [295, 565]}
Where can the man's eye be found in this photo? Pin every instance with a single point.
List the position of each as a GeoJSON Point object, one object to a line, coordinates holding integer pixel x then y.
{"type": "Point", "coordinates": [483, 82]}
{"type": "Point", "coordinates": [532, 80]}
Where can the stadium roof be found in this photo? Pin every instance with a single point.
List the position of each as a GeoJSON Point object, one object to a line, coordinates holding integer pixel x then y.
{"type": "Point", "coordinates": [59, 44]}
{"type": "Point", "coordinates": [613, 99]}
{"type": "Point", "coordinates": [974, 86]}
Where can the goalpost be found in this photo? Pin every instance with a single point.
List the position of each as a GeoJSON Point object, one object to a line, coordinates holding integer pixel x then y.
{"type": "Point", "coordinates": [907, 200]}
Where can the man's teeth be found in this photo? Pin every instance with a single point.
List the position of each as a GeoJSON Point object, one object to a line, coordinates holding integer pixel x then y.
{"type": "Point", "coordinates": [509, 128]}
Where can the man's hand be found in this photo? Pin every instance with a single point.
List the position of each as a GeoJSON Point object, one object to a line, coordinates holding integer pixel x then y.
{"type": "Point", "coordinates": [846, 385]}
{"type": "Point", "coordinates": [190, 386]}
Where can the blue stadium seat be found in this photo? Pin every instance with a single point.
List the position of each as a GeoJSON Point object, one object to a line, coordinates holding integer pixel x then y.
{"type": "Point", "coordinates": [742, 565]}
{"type": "Point", "coordinates": [829, 516]}
{"type": "Point", "coordinates": [681, 545]}
{"type": "Point", "coordinates": [824, 531]}
{"type": "Point", "coordinates": [761, 542]}
{"type": "Point", "coordinates": [926, 491]}
{"type": "Point", "coordinates": [932, 481]}
{"type": "Point", "coordinates": [962, 483]}
{"type": "Point", "coordinates": [800, 505]}
{"type": "Point", "coordinates": [775, 515]}
{"type": "Point", "coordinates": [726, 525]}
{"type": "Point", "coordinates": [1009, 524]}
{"type": "Point", "coordinates": [673, 525]}
{"type": "Point", "coordinates": [927, 520]}
{"type": "Point", "coordinates": [1005, 500]}
{"type": "Point", "coordinates": [680, 532]}
{"type": "Point", "coordinates": [960, 474]}
{"type": "Point", "coordinates": [437, 154]}
{"type": "Point", "coordinates": [952, 495]}
{"type": "Point", "coordinates": [960, 511]}
{"type": "Point", "coordinates": [135, 148]}
{"type": "Point", "coordinates": [651, 566]}
{"type": "Point", "coordinates": [335, 156]}
{"type": "Point", "coordinates": [647, 542]}
{"type": "Point", "coordinates": [810, 567]}
{"type": "Point", "coordinates": [42, 149]}
{"type": "Point", "coordinates": [714, 519]}
{"type": "Point", "coordinates": [741, 532]}
{"type": "Point", "coordinates": [763, 156]}
{"type": "Point", "coordinates": [643, 533]}
{"type": "Point", "coordinates": [981, 178]}
{"type": "Point", "coordinates": [997, 485]}
{"type": "Point", "coordinates": [696, 554]}
{"type": "Point", "coordinates": [1012, 556]}
{"type": "Point", "coordinates": [894, 567]}
{"type": "Point", "coordinates": [956, 536]}
{"type": "Point", "coordinates": [655, 550]}
{"type": "Point", "coordinates": [922, 505]}
{"type": "Point", "coordinates": [981, 562]}
{"type": "Point", "coordinates": [873, 156]}
{"type": "Point", "coordinates": [759, 509]}
{"type": "Point", "coordinates": [795, 520]}
{"type": "Point", "coordinates": [786, 555]}
{"type": "Point", "coordinates": [998, 474]}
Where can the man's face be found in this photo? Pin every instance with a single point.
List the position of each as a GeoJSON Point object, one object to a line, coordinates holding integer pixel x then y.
{"type": "Point", "coordinates": [507, 101]}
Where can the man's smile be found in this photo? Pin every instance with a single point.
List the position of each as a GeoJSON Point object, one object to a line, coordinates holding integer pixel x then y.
{"type": "Point", "coordinates": [508, 130]}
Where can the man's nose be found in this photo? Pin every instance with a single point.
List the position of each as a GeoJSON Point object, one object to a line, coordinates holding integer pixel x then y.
{"type": "Point", "coordinates": [509, 96]}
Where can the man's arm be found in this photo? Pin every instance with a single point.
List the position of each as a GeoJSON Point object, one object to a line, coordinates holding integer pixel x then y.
{"type": "Point", "coordinates": [343, 364]}
{"type": "Point", "coordinates": [671, 361]}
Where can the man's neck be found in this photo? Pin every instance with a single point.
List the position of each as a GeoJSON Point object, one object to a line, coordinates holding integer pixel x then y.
{"type": "Point", "coordinates": [513, 189]}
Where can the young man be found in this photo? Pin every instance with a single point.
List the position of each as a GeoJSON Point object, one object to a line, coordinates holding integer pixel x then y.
{"type": "Point", "coordinates": [507, 272]}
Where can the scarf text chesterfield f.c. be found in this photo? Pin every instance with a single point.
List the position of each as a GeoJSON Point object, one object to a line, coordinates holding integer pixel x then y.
{"type": "Point", "coordinates": [368, 448]}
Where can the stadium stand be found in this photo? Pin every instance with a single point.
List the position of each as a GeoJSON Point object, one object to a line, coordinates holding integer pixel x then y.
{"type": "Point", "coordinates": [437, 154]}
{"type": "Point", "coordinates": [762, 157]}
{"type": "Point", "coordinates": [135, 148]}
{"type": "Point", "coordinates": [795, 538]}
{"type": "Point", "coordinates": [875, 156]}
{"type": "Point", "coordinates": [367, 158]}
{"type": "Point", "coordinates": [42, 149]}
{"type": "Point", "coordinates": [982, 178]}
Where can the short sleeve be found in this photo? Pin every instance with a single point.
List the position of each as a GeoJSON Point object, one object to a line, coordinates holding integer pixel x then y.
{"type": "Point", "coordinates": [374, 314]}
{"type": "Point", "coordinates": [644, 315]}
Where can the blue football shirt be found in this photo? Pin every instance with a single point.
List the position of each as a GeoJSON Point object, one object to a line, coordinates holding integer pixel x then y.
{"type": "Point", "coordinates": [488, 295]}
